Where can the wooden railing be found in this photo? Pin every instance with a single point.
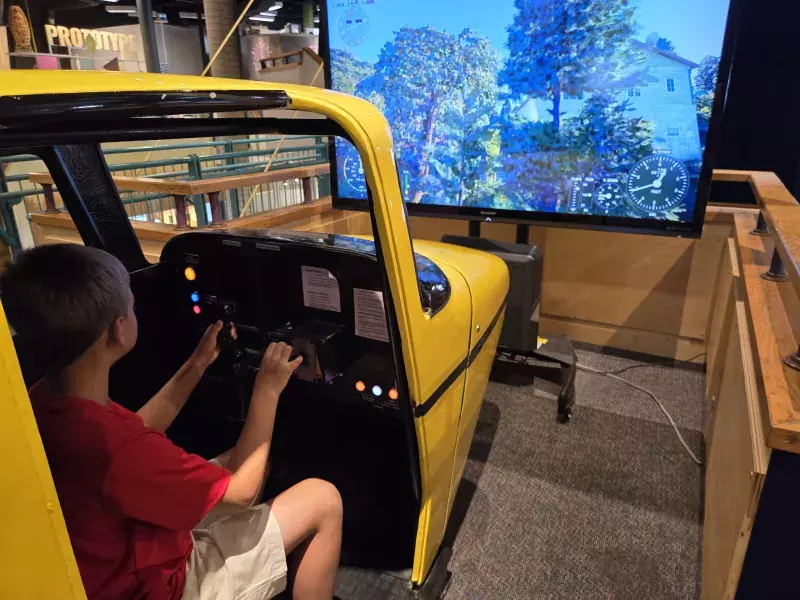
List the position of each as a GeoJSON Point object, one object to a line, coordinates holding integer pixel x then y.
{"type": "Point", "coordinates": [181, 189]}
{"type": "Point", "coordinates": [779, 217]}
{"type": "Point", "coordinates": [768, 249]}
{"type": "Point", "coordinates": [289, 59]}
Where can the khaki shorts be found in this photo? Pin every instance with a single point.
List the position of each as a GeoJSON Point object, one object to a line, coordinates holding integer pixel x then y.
{"type": "Point", "coordinates": [238, 554]}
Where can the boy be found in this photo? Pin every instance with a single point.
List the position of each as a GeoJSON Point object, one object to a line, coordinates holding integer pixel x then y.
{"type": "Point", "coordinates": [146, 519]}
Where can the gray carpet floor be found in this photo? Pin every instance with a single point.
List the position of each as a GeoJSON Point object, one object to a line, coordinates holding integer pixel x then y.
{"type": "Point", "coordinates": [607, 506]}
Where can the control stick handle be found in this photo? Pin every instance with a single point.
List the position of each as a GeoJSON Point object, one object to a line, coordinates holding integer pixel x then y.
{"type": "Point", "coordinates": [226, 341]}
{"type": "Point", "coordinates": [295, 354]}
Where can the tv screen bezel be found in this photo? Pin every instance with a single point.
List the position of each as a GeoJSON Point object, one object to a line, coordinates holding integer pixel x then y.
{"type": "Point", "coordinates": [650, 226]}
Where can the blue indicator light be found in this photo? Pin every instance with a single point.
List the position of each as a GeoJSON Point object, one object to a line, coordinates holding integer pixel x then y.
{"type": "Point", "coordinates": [195, 297]}
{"type": "Point", "coordinates": [376, 390]}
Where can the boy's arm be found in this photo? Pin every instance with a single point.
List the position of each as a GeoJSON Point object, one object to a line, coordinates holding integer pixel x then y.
{"type": "Point", "coordinates": [248, 458]}
{"type": "Point", "coordinates": [161, 410]}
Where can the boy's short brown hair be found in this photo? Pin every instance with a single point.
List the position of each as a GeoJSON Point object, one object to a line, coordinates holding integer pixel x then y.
{"type": "Point", "coordinates": [60, 298]}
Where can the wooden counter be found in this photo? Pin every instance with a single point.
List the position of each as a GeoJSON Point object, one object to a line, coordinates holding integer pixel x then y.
{"type": "Point", "coordinates": [753, 428]}
{"type": "Point", "coordinates": [58, 227]}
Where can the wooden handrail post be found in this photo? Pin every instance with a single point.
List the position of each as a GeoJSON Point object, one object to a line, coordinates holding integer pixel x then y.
{"type": "Point", "coordinates": [180, 211]}
{"type": "Point", "coordinates": [777, 270]}
{"type": "Point", "coordinates": [49, 198]}
{"type": "Point", "coordinates": [308, 194]}
{"type": "Point", "coordinates": [761, 226]}
{"type": "Point", "coordinates": [216, 208]}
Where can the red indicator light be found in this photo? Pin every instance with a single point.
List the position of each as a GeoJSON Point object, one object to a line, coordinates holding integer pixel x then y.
{"type": "Point", "coordinates": [196, 309]}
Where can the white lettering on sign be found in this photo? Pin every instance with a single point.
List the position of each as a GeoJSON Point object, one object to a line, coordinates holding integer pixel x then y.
{"type": "Point", "coordinates": [73, 37]}
{"type": "Point", "coordinates": [370, 315]}
{"type": "Point", "coordinates": [321, 289]}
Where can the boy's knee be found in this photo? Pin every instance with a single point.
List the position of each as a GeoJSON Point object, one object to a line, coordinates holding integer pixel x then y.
{"type": "Point", "coordinates": [328, 497]}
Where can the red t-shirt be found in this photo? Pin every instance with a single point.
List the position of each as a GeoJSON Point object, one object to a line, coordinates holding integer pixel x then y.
{"type": "Point", "coordinates": [130, 497]}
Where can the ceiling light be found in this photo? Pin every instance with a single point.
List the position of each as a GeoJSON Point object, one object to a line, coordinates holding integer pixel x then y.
{"type": "Point", "coordinates": [316, 19]}
{"type": "Point", "coordinates": [276, 6]}
{"type": "Point", "coordinates": [121, 10]}
{"type": "Point", "coordinates": [269, 13]}
{"type": "Point", "coordinates": [110, 0]}
{"type": "Point", "coordinates": [260, 18]}
{"type": "Point", "coordinates": [188, 15]}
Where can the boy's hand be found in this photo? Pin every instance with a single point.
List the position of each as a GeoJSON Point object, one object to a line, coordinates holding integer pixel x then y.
{"type": "Point", "coordinates": [207, 350]}
{"type": "Point", "coordinates": [275, 370]}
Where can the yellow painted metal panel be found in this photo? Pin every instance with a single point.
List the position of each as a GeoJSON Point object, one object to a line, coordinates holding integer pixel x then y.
{"type": "Point", "coordinates": [36, 559]}
{"type": "Point", "coordinates": [475, 388]}
{"type": "Point", "coordinates": [487, 278]}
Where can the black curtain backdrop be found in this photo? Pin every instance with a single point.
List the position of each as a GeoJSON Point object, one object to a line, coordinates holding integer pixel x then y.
{"type": "Point", "coordinates": [760, 123]}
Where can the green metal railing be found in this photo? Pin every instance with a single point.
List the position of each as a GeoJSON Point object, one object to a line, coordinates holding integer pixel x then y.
{"type": "Point", "coordinates": [226, 159]}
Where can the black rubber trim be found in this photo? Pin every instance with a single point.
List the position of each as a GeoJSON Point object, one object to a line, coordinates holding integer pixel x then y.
{"type": "Point", "coordinates": [422, 409]}
{"type": "Point", "coordinates": [158, 128]}
{"type": "Point", "coordinates": [45, 109]}
{"type": "Point", "coordinates": [406, 410]}
{"type": "Point", "coordinates": [89, 194]}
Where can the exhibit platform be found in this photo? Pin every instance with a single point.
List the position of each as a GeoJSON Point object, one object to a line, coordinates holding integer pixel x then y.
{"type": "Point", "coordinates": [702, 300]}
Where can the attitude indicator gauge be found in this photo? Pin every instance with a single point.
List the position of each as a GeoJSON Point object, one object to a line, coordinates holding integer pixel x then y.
{"type": "Point", "coordinates": [609, 195]}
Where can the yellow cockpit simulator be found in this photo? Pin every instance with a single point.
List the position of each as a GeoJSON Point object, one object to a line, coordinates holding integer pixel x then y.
{"type": "Point", "coordinates": [398, 338]}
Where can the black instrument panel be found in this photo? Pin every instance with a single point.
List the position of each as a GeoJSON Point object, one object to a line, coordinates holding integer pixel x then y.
{"type": "Point", "coordinates": [321, 294]}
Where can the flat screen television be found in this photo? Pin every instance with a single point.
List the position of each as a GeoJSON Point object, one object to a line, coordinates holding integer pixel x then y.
{"type": "Point", "coordinates": [598, 113]}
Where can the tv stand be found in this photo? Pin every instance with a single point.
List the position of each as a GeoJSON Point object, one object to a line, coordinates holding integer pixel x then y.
{"type": "Point", "coordinates": [554, 360]}
{"type": "Point", "coordinates": [522, 232]}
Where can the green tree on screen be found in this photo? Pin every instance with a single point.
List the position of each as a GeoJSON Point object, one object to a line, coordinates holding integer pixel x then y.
{"type": "Point", "coordinates": [665, 45]}
{"type": "Point", "coordinates": [438, 91]}
{"type": "Point", "coordinates": [705, 82]}
{"type": "Point", "coordinates": [608, 138]}
{"type": "Point", "coordinates": [559, 47]}
{"type": "Point", "coordinates": [568, 47]}
{"type": "Point", "coordinates": [705, 79]}
{"type": "Point", "coordinates": [348, 70]}
{"type": "Point", "coordinates": [467, 121]}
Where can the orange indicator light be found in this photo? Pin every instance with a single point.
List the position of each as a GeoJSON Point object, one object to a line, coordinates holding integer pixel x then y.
{"type": "Point", "coordinates": [393, 394]}
{"type": "Point", "coordinates": [189, 273]}
{"type": "Point", "coordinates": [360, 386]}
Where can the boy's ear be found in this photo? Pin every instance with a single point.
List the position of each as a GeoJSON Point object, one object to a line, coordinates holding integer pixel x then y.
{"type": "Point", "coordinates": [116, 332]}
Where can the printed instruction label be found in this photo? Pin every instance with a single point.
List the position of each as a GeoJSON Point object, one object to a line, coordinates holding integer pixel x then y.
{"type": "Point", "coordinates": [321, 289]}
{"type": "Point", "coordinates": [370, 315]}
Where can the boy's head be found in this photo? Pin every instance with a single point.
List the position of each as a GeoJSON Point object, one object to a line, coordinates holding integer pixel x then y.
{"type": "Point", "coordinates": [65, 299]}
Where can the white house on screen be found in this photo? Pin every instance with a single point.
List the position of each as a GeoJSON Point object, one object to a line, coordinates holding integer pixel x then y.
{"type": "Point", "coordinates": [663, 96]}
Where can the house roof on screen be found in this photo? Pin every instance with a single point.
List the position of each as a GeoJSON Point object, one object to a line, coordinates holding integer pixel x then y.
{"type": "Point", "coordinates": [672, 55]}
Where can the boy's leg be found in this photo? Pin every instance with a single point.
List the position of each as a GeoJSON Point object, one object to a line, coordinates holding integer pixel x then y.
{"type": "Point", "coordinates": [309, 515]}
{"type": "Point", "coordinates": [237, 557]}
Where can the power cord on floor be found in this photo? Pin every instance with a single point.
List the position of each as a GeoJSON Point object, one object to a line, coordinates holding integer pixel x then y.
{"type": "Point", "coordinates": [613, 375]}
{"type": "Point", "coordinates": [658, 363]}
